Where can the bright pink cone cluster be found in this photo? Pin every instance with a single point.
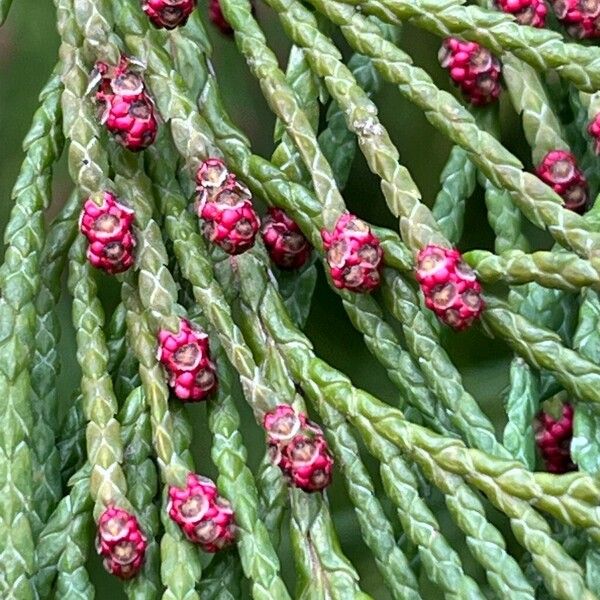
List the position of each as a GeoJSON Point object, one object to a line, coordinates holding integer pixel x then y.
{"type": "Point", "coordinates": [559, 170]}
{"type": "Point", "coordinates": [450, 286]}
{"type": "Point", "coordinates": [225, 207]}
{"type": "Point", "coordinates": [127, 110]}
{"type": "Point", "coordinates": [580, 17]}
{"type": "Point", "coordinates": [205, 517]}
{"type": "Point", "coordinates": [354, 255]}
{"type": "Point", "coordinates": [120, 542]}
{"type": "Point", "coordinates": [594, 131]}
{"type": "Point", "coordinates": [186, 356]}
{"type": "Point", "coordinates": [553, 437]}
{"type": "Point", "coordinates": [473, 68]}
{"type": "Point", "coordinates": [168, 14]}
{"type": "Point", "coordinates": [285, 243]}
{"type": "Point", "coordinates": [299, 448]}
{"type": "Point", "coordinates": [108, 228]}
{"type": "Point", "coordinates": [526, 12]}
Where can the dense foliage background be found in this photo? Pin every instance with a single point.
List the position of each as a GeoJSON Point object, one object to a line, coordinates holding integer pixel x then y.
{"type": "Point", "coordinates": [28, 47]}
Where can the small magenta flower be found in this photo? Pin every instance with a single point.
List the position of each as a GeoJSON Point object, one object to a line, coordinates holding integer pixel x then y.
{"type": "Point", "coordinates": [580, 17]}
{"type": "Point", "coordinates": [168, 14]}
{"type": "Point", "coordinates": [285, 243]}
{"type": "Point", "coordinates": [120, 542]}
{"type": "Point", "coordinates": [212, 174]}
{"type": "Point", "coordinates": [473, 68]}
{"type": "Point", "coordinates": [450, 286]}
{"type": "Point", "coordinates": [560, 171]}
{"type": "Point", "coordinates": [354, 255]}
{"type": "Point", "coordinates": [526, 12]}
{"type": "Point", "coordinates": [204, 517]}
{"type": "Point", "coordinates": [108, 228]}
{"type": "Point", "coordinates": [553, 437]}
{"type": "Point", "coordinates": [225, 207]}
{"type": "Point", "coordinates": [186, 356]}
{"type": "Point", "coordinates": [127, 110]}
{"type": "Point", "coordinates": [594, 131]}
{"type": "Point", "coordinates": [299, 448]}
{"type": "Point", "coordinates": [215, 14]}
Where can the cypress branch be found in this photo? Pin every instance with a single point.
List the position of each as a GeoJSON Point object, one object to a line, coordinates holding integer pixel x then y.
{"type": "Point", "coordinates": [20, 282]}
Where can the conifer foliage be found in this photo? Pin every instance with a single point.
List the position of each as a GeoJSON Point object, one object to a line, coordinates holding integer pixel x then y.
{"type": "Point", "coordinates": [215, 250]}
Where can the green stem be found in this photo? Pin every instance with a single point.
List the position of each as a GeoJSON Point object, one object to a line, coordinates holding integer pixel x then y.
{"type": "Point", "coordinates": [70, 440]}
{"type": "Point", "coordinates": [272, 497]}
{"type": "Point", "coordinates": [504, 218]}
{"type": "Point", "coordinates": [337, 140]}
{"type": "Point", "coordinates": [105, 450]}
{"type": "Point", "coordinates": [69, 525]}
{"type": "Point", "coordinates": [521, 408]}
{"type": "Point", "coordinates": [88, 161]}
{"type": "Point", "coordinates": [585, 447]}
{"type": "Point", "coordinates": [541, 126]}
{"type": "Point", "coordinates": [404, 370]}
{"type": "Point", "coordinates": [458, 180]}
{"type": "Point", "coordinates": [298, 287]}
{"type": "Point", "coordinates": [259, 560]}
{"type": "Point", "coordinates": [115, 338]}
{"type": "Point", "coordinates": [558, 270]}
{"type": "Point", "coordinates": [306, 87]}
{"type": "Point", "coordinates": [141, 476]}
{"type": "Point", "coordinates": [221, 580]}
{"type": "Point", "coordinates": [543, 349]}
{"type": "Point", "coordinates": [46, 362]}
{"type": "Point", "coordinates": [20, 283]}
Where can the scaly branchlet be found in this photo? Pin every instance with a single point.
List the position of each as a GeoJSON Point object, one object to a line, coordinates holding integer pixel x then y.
{"type": "Point", "coordinates": [105, 451]}
{"type": "Point", "coordinates": [215, 292]}
{"type": "Point", "coordinates": [20, 282]}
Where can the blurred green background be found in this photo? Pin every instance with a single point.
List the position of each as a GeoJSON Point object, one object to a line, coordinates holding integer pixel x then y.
{"type": "Point", "coordinates": [28, 51]}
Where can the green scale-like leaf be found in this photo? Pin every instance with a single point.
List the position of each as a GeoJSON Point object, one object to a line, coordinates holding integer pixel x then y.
{"type": "Point", "coordinates": [20, 282]}
{"type": "Point", "coordinates": [141, 476]}
{"type": "Point", "coordinates": [104, 448]}
{"type": "Point", "coordinates": [585, 447]}
{"type": "Point", "coordinates": [558, 270]}
{"type": "Point", "coordinates": [542, 348]}
{"type": "Point", "coordinates": [46, 362]}
{"type": "Point", "coordinates": [458, 183]}
{"type": "Point", "coordinates": [337, 140]}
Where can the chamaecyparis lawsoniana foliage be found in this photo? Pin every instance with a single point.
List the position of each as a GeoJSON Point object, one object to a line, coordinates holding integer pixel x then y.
{"type": "Point", "coordinates": [209, 363]}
